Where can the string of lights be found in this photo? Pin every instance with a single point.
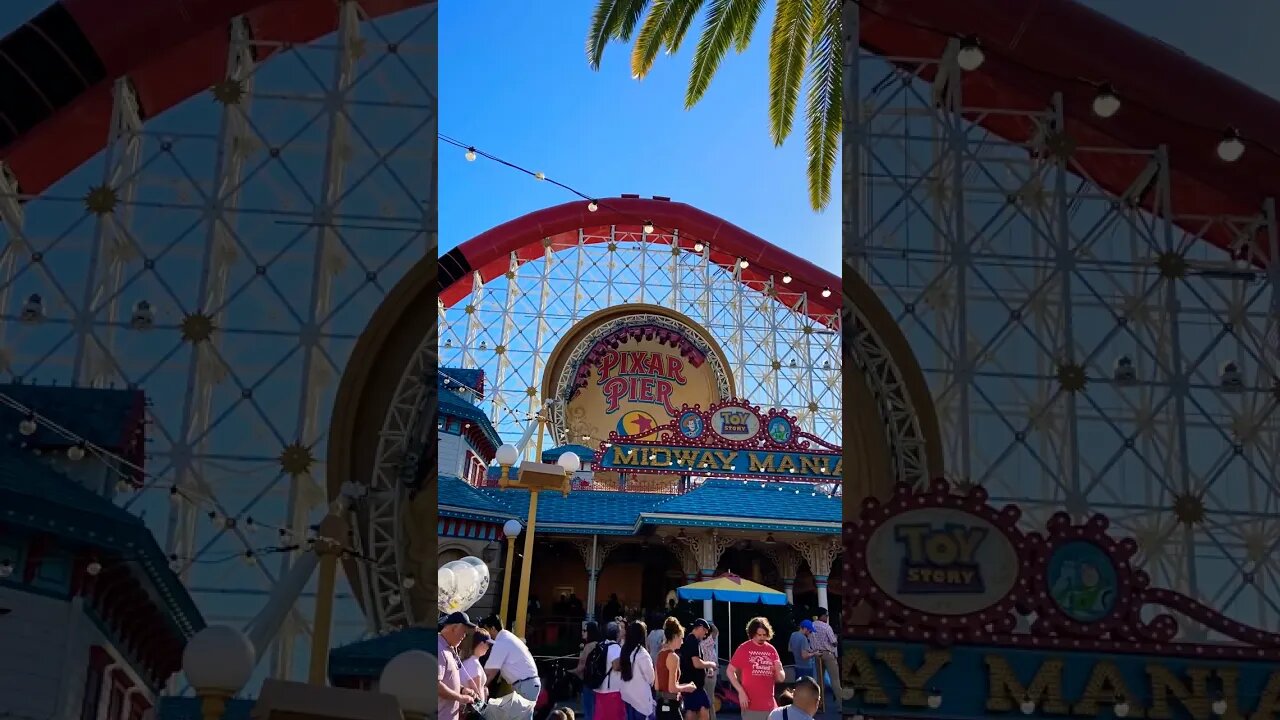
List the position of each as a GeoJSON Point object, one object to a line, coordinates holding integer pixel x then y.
{"type": "Point", "coordinates": [1107, 101]}
{"type": "Point", "coordinates": [594, 203]}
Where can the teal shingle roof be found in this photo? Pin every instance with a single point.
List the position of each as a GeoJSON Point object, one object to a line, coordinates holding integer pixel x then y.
{"type": "Point", "coordinates": [471, 378]}
{"type": "Point", "coordinates": [584, 453]}
{"type": "Point", "coordinates": [33, 494]}
{"type": "Point", "coordinates": [738, 498]}
{"type": "Point", "coordinates": [366, 658]}
{"type": "Point", "coordinates": [453, 404]}
{"type": "Point", "coordinates": [616, 511]}
{"type": "Point", "coordinates": [455, 492]}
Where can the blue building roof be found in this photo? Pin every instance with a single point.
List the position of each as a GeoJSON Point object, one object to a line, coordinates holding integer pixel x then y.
{"type": "Point", "coordinates": [458, 498]}
{"type": "Point", "coordinates": [750, 505]}
{"type": "Point", "coordinates": [451, 403]}
{"type": "Point", "coordinates": [366, 658]}
{"type": "Point", "coordinates": [584, 453]}
{"type": "Point", "coordinates": [586, 512]}
{"type": "Point", "coordinates": [740, 504]}
{"type": "Point", "coordinates": [35, 495]}
{"type": "Point", "coordinates": [471, 378]}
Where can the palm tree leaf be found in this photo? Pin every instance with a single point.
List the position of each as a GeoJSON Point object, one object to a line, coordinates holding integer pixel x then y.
{"type": "Point", "coordinates": [680, 27]}
{"type": "Point", "coordinates": [823, 109]}
{"type": "Point", "coordinates": [723, 26]}
{"type": "Point", "coordinates": [788, 50]}
{"type": "Point", "coordinates": [747, 27]}
{"type": "Point", "coordinates": [658, 24]}
{"type": "Point", "coordinates": [611, 19]}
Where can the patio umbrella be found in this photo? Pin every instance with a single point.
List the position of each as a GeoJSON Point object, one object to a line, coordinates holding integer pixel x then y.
{"type": "Point", "coordinates": [731, 589]}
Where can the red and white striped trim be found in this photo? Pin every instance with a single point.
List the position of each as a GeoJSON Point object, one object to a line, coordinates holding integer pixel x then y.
{"type": "Point", "coordinates": [471, 529]}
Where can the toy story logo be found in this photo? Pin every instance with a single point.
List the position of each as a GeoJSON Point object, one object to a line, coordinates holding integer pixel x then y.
{"type": "Point", "coordinates": [629, 370]}
{"type": "Point", "coordinates": [1062, 624]}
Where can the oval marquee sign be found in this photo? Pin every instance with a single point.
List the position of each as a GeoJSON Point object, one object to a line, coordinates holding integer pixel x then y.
{"type": "Point", "coordinates": [735, 423]}
{"type": "Point", "coordinates": [942, 561]}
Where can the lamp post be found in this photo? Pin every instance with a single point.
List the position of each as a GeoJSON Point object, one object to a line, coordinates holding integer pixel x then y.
{"type": "Point", "coordinates": [534, 477]}
{"type": "Point", "coordinates": [512, 530]}
{"type": "Point", "coordinates": [218, 661]}
{"type": "Point", "coordinates": [405, 678]}
{"type": "Point", "coordinates": [330, 539]}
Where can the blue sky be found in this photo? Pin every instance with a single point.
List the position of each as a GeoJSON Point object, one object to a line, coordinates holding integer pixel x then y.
{"type": "Point", "coordinates": [521, 89]}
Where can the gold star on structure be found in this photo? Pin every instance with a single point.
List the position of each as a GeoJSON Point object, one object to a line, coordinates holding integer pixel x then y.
{"type": "Point", "coordinates": [500, 349]}
{"type": "Point", "coordinates": [101, 199]}
{"type": "Point", "coordinates": [1171, 265]}
{"type": "Point", "coordinates": [197, 327]}
{"type": "Point", "coordinates": [1189, 509]}
{"type": "Point", "coordinates": [296, 459]}
{"type": "Point", "coordinates": [531, 391]}
{"type": "Point", "coordinates": [813, 407]}
{"type": "Point", "coordinates": [1072, 377]}
{"type": "Point", "coordinates": [777, 365]}
{"type": "Point", "coordinates": [228, 91]}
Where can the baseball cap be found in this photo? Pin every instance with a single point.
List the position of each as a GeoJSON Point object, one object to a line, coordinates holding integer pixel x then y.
{"type": "Point", "coordinates": [458, 618]}
{"type": "Point", "coordinates": [700, 623]}
{"type": "Point", "coordinates": [807, 625]}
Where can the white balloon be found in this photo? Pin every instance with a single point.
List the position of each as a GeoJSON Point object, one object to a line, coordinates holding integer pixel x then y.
{"type": "Point", "coordinates": [483, 569]}
{"type": "Point", "coordinates": [468, 582]}
{"type": "Point", "coordinates": [447, 584]}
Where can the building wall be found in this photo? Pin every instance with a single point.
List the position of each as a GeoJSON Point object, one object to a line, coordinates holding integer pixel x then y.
{"type": "Point", "coordinates": [453, 454]}
{"type": "Point", "coordinates": [45, 650]}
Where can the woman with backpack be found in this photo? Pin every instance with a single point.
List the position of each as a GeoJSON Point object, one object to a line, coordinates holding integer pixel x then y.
{"type": "Point", "coordinates": [635, 668]}
{"type": "Point", "coordinates": [590, 638]}
{"type": "Point", "coordinates": [603, 677]}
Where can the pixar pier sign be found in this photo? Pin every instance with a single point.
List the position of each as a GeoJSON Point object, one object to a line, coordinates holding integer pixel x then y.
{"type": "Point", "coordinates": [729, 439]}
{"type": "Point", "coordinates": [962, 614]}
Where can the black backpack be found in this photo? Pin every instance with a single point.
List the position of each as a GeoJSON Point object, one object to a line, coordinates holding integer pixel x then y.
{"type": "Point", "coordinates": [597, 665]}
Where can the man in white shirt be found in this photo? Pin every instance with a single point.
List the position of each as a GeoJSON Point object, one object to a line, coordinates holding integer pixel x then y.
{"type": "Point", "coordinates": [510, 657]}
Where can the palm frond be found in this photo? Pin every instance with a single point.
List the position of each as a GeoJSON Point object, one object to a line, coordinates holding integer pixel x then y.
{"type": "Point", "coordinates": [788, 52]}
{"type": "Point", "coordinates": [723, 26]}
{"type": "Point", "coordinates": [658, 24]}
{"type": "Point", "coordinates": [747, 27]}
{"type": "Point", "coordinates": [612, 19]}
{"type": "Point", "coordinates": [680, 28]}
{"type": "Point", "coordinates": [824, 106]}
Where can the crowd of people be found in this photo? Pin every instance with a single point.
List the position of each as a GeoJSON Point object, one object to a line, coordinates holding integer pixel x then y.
{"type": "Point", "coordinates": [629, 672]}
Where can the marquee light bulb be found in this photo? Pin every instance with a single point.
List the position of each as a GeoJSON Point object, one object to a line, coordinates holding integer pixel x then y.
{"type": "Point", "coordinates": [1230, 147]}
{"type": "Point", "coordinates": [935, 699]}
{"type": "Point", "coordinates": [1106, 103]}
{"type": "Point", "coordinates": [970, 57]}
{"type": "Point", "coordinates": [744, 263]}
{"type": "Point", "coordinates": [1122, 709]}
{"type": "Point", "coordinates": [698, 246]}
{"type": "Point", "coordinates": [1219, 707]}
{"type": "Point", "coordinates": [786, 278]}
{"type": "Point", "coordinates": [826, 292]}
{"type": "Point", "coordinates": [648, 228]}
{"type": "Point", "coordinates": [592, 206]}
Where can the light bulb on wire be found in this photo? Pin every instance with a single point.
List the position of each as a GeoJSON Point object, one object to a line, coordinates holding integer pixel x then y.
{"type": "Point", "coordinates": [28, 425]}
{"type": "Point", "coordinates": [592, 206]}
{"type": "Point", "coordinates": [1121, 709]}
{"type": "Point", "coordinates": [75, 453]}
{"type": "Point", "coordinates": [935, 699]}
{"type": "Point", "coordinates": [470, 154]}
{"type": "Point", "coordinates": [826, 292]}
{"type": "Point", "coordinates": [540, 176]}
{"type": "Point", "coordinates": [970, 57]}
{"type": "Point", "coordinates": [648, 228]}
{"type": "Point", "coordinates": [1231, 146]}
{"type": "Point", "coordinates": [786, 278]}
{"type": "Point", "coordinates": [744, 263]}
{"type": "Point", "coordinates": [1106, 103]}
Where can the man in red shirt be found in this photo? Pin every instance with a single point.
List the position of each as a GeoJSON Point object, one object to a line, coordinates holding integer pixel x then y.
{"type": "Point", "coordinates": [755, 670]}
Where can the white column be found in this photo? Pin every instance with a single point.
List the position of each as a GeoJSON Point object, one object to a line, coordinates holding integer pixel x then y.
{"type": "Point", "coordinates": [821, 582]}
{"type": "Point", "coordinates": [789, 585]}
{"type": "Point", "coordinates": [707, 606]}
{"type": "Point", "coordinates": [593, 572]}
